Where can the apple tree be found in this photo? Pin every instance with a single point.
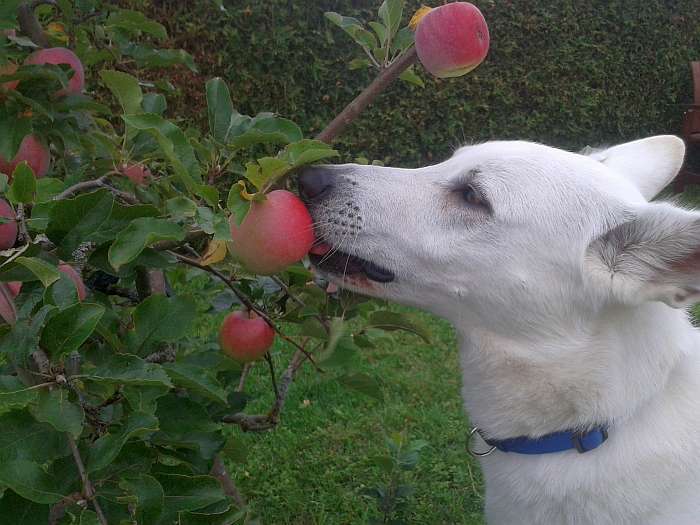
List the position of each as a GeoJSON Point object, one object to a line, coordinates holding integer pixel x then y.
{"type": "Point", "coordinates": [113, 409]}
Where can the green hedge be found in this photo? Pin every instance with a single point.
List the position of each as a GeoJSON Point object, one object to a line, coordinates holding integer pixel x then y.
{"type": "Point", "coordinates": [563, 72]}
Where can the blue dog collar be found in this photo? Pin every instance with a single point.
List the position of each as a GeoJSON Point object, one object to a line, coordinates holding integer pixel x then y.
{"type": "Point", "coordinates": [548, 444]}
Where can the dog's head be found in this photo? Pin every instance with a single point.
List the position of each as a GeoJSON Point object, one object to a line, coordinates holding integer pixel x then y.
{"type": "Point", "coordinates": [508, 234]}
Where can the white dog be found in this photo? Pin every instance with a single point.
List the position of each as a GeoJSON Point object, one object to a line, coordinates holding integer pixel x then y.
{"type": "Point", "coordinates": [568, 289]}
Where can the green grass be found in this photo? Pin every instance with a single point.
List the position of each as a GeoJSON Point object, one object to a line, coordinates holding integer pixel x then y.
{"type": "Point", "coordinates": [313, 467]}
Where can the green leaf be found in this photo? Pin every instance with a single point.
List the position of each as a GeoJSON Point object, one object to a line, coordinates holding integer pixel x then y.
{"type": "Point", "coordinates": [62, 293]}
{"type": "Point", "coordinates": [154, 103]}
{"type": "Point", "coordinates": [23, 185]}
{"type": "Point", "coordinates": [263, 129]}
{"type": "Point", "coordinates": [173, 144]}
{"type": "Point", "coordinates": [237, 205]}
{"type": "Point", "coordinates": [312, 327]}
{"type": "Point", "coordinates": [89, 517]}
{"type": "Point", "coordinates": [69, 329]}
{"type": "Point", "coordinates": [126, 369]}
{"type": "Point", "coordinates": [23, 437]}
{"type": "Point", "coordinates": [389, 321]}
{"type": "Point", "coordinates": [219, 108]}
{"type": "Point", "coordinates": [353, 27]}
{"type": "Point", "coordinates": [44, 271]}
{"type": "Point", "coordinates": [12, 132]}
{"type": "Point", "coordinates": [161, 319]}
{"type": "Point", "coordinates": [145, 495]}
{"type": "Point", "coordinates": [125, 88]}
{"type": "Point", "coordinates": [409, 75]}
{"type": "Point", "coordinates": [196, 379]}
{"type": "Point", "coordinates": [54, 408]}
{"type": "Point", "coordinates": [266, 171]}
{"type": "Point", "coordinates": [105, 449]}
{"type": "Point", "coordinates": [30, 481]}
{"type": "Point", "coordinates": [148, 57]}
{"type": "Point", "coordinates": [14, 394]}
{"type": "Point", "coordinates": [141, 233]}
{"type": "Point", "coordinates": [135, 22]}
{"type": "Point", "coordinates": [47, 188]}
{"type": "Point", "coordinates": [23, 512]}
{"type": "Point", "coordinates": [362, 383]}
{"type": "Point", "coordinates": [181, 207]}
{"type": "Point", "coordinates": [187, 493]}
{"type": "Point", "coordinates": [227, 514]}
{"type": "Point", "coordinates": [307, 151]}
{"type": "Point", "coordinates": [23, 338]}
{"type": "Point", "coordinates": [381, 31]}
{"type": "Point", "coordinates": [187, 425]}
{"type": "Point", "coordinates": [404, 39]}
{"type": "Point", "coordinates": [391, 12]}
{"type": "Point", "coordinates": [358, 63]}
{"type": "Point", "coordinates": [74, 221]}
{"type": "Point", "coordinates": [144, 398]}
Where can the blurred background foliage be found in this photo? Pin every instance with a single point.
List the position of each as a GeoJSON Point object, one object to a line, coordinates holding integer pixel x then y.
{"type": "Point", "coordinates": [562, 72]}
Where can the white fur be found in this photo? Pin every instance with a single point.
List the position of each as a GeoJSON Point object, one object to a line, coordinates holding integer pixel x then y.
{"type": "Point", "coordinates": [564, 294]}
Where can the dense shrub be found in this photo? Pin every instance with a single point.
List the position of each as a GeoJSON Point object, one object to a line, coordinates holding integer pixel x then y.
{"type": "Point", "coordinates": [567, 73]}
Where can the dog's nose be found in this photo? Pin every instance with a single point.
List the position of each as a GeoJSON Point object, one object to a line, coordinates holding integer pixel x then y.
{"type": "Point", "coordinates": [314, 181]}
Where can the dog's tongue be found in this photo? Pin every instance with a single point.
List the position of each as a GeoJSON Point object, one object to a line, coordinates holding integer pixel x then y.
{"type": "Point", "coordinates": [320, 249]}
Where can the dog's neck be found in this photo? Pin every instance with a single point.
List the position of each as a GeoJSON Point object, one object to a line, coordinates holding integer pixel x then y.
{"type": "Point", "coordinates": [603, 374]}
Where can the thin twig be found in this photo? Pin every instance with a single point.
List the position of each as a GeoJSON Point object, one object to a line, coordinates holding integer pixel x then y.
{"type": "Point", "coordinates": [88, 489]}
{"type": "Point", "coordinates": [218, 470]}
{"type": "Point", "coordinates": [58, 511]}
{"type": "Point", "coordinates": [98, 183]}
{"type": "Point", "coordinates": [246, 301]}
{"type": "Point", "coordinates": [268, 358]}
{"type": "Point", "coordinates": [262, 422]}
{"type": "Point", "coordinates": [297, 300]}
{"type": "Point", "coordinates": [244, 376]}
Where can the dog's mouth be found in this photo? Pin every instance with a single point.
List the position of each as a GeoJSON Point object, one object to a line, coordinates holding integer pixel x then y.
{"type": "Point", "coordinates": [332, 261]}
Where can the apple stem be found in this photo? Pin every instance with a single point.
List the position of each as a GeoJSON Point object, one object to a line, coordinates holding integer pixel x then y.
{"type": "Point", "coordinates": [364, 99]}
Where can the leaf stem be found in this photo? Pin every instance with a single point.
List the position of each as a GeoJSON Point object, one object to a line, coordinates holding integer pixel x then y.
{"type": "Point", "coordinates": [88, 489]}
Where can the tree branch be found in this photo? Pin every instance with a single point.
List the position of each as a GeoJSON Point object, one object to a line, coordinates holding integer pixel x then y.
{"type": "Point", "coordinates": [261, 422]}
{"type": "Point", "coordinates": [30, 26]}
{"type": "Point", "coordinates": [88, 185]}
{"type": "Point", "coordinates": [218, 470]}
{"type": "Point", "coordinates": [364, 99]}
{"type": "Point", "coordinates": [88, 489]}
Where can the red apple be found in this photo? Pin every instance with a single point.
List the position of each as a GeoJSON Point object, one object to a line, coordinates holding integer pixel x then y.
{"type": "Point", "coordinates": [274, 234]}
{"type": "Point", "coordinates": [5, 71]}
{"type": "Point", "coordinates": [70, 272]}
{"type": "Point", "coordinates": [8, 230]}
{"type": "Point", "coordinates": [58, 56]}
{"type": "Point", "coordinates": [452, 39]}
{"type": "Point", "coordinates": [34, 152]}
{"type": "Point", "coordinates": [136, 173]}
{"type": "Point", "coordinates": [15, 287]}
{"type": "Point", "coordinates": [245, 337]}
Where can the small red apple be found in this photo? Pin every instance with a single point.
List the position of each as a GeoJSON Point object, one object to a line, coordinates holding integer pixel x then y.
{"type": "Point", "coordinates": [58, 56]}
{"type": "Point", "coordinates": [452, 39]}
{"type": "Point", "coordinates": [275, 233]}
{"type": "Point", "coordinates": [70, 272]}
{"type": "Point", "coordinates": [15, 287]}
{"type": "Point", "coordinates": [8, 230]}
{"type": "Point", "coordinates": [245, 337]}
{"type": "Point", "coordinates": [34, 152]}
{"type": "Point", "coordinates": [6, 70]}
{"type": "Point", "coordinates": [136, 173]}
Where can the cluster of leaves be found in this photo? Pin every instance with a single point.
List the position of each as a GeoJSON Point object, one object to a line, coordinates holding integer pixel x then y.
{"type": "Point", "coordinates": [385, 43]}
{"type": "Point", "coordinates": [113, 410]}
{"type": "Point", "coordinates": [392, 497]}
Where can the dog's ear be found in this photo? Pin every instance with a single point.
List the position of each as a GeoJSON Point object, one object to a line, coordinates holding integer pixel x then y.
{"type": "Point", "coordinates": [650, 164]}
{"type": "Point", "coordinates": [654, 256]}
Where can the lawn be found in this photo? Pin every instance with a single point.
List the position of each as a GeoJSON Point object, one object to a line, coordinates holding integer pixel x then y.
{"type": "Point", "coordinates": [315, 466]}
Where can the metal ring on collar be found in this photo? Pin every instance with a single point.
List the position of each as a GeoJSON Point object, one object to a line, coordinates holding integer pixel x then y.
{"type": "Point", "coordinates": [473, 452]}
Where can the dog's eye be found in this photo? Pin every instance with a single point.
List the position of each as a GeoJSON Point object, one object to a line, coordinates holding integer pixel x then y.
{"type": "Point", "coordinates": [471, 196]}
